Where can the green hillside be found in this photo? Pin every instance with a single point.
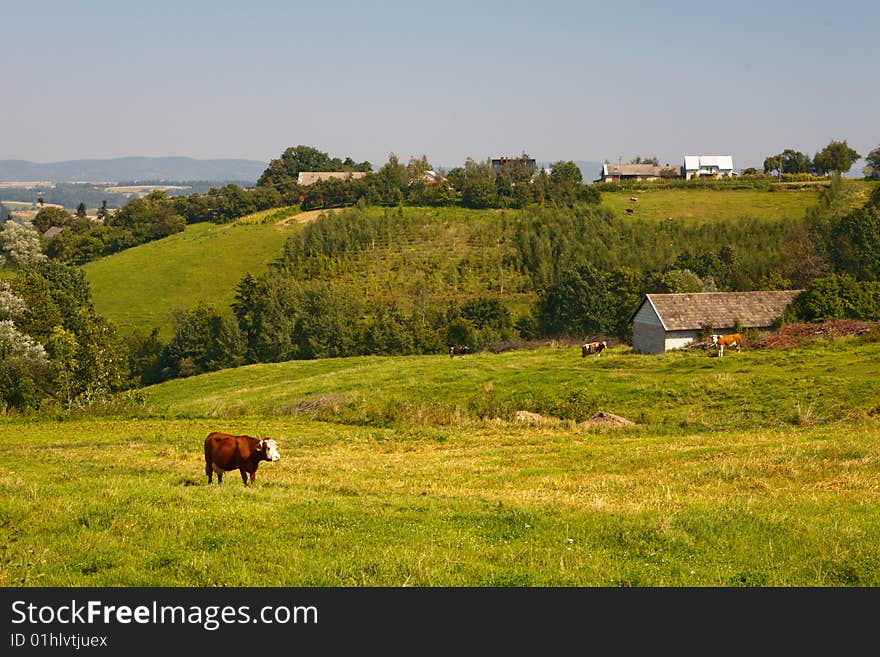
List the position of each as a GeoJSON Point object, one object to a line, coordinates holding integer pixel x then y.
{"type": "Point", "coordinates": [437, 254]}
{"type": "Point", "coordinates": [137, 288]}
{"type": "Point", "coordinates": [823, 382]}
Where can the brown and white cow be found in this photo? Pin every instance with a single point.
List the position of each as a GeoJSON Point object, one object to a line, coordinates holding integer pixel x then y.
{"type": "Point", "coordinates": [733, 340]}
{"type": "Point", "coordinates": [225, 452]}
{"type": "Point", "coordinates": [593, 348]}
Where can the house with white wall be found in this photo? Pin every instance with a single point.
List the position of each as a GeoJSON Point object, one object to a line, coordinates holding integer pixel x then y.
{"type": "Point", "coordinates": [696, 166]}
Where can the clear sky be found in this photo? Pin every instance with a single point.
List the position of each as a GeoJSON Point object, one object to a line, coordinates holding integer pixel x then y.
{"type": "Point", "coordinates": [447, 79]}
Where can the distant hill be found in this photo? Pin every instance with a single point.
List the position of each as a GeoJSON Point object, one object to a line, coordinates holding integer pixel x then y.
{"type": "Point", "coordinates": [133, 169]}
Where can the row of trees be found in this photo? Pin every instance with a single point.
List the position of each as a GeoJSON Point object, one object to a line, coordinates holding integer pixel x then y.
{"type": "Point", "coordinates": [516, 184]}
{"type": "Point", "coordinates": [837, 156]}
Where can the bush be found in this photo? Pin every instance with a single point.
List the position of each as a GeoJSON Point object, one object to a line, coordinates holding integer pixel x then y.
{"type": "Point", "coordinates": [838, 297]}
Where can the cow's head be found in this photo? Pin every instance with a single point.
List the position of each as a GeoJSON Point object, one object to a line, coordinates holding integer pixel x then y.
{"type": "Point", "coordinates": [269, 448]}
{"type": "Point", "coordinates": [715, 339]}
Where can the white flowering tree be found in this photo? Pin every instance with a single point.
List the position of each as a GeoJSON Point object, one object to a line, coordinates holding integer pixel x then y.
{"type": "Point", "coordinates": [24, 368]}
{"type": "Point", "coordinates": [19, 244]}
{"type": "Point", "coordinates": [11, 306]}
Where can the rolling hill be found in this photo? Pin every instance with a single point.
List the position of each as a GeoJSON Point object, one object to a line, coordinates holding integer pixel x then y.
{"type": "Point", "coordinates": [133, 168]}
{"type": "Point", "coordinates": [137, 288]}
{"type": "Point", "coordinates": [447, 252]}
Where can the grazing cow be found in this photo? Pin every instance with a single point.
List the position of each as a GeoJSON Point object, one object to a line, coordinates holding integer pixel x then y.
{"type": "Point", "coordinates": [633, 199]}
{"type": "Point", "coordinates": [734, 340]}
{"type": "Point", "coordinates": [629, 211]}
{"type": "Point", "coordinates": [593, 348]}
{"type": "Point", "coordinates": [225, 452]}
{"type": "Point", "coordinates": [458, 351]}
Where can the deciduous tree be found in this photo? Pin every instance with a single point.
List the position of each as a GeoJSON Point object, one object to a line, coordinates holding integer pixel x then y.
{"type": "Point", "coordinates": [836, 156]}
{"type": "Point", "coordinates": [872, 168]}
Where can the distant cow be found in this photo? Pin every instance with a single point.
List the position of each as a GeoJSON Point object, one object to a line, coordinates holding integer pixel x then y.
{"type": "Point", "coordinates": [633, 199]}
{"type": "Point", "coordinates": [629, 211]}
{"type": "Point", "coordinates": [225, 452]}
{"type": "Point", "coordinates": [593, 348]}
{"type": "Point", "coordinates": [458, 351]}
{"type": "Point", "coordinates": [734, 340]}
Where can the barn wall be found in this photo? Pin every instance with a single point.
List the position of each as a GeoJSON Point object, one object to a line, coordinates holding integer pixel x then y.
{"type": "Point", "coordinates": [648, 331]}
{"type": "Point", "coordinates": [648, 338]}
{"type": "Point", "coordinates": [678, 339]}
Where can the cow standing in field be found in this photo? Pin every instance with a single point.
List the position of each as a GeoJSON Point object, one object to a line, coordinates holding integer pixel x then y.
{"type": "Point", "coordinates": [225, 452]}
{"type": "Point", "coordinates": [593, 348]}
{"type": "Point", "coordinates": [458, 351]}
{"type": "Point", "coordinates": [734, 340]}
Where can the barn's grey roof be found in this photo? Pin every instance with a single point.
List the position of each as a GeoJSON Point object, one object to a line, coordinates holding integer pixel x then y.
{"type": "Point", "coordinates": [633, 169]}
{"type": "Point", "coordinates": [720, 310]}
{"type": "Point", "coordinates": [309, 177]}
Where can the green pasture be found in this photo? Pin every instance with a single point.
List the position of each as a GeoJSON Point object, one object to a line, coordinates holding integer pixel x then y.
{"type": "Point", "coordinates": [139, 287]}
{"type": "Point", "coordinates": [125, 503]}
{"type": "Point", "coordinates": [692, 390]}
{"type": "Point", "coordinates": [761, 468]}
{"type": "Point", "coordinates": [706, 205]}
{"type": "Point", "coordinates": [781, 201]}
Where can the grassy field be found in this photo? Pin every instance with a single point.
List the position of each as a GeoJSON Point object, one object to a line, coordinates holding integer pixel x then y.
{"type": "Point", "coordinates": [758, 469]}
{"type": "Point", "coordinates": [137, 288]}
{"type": "Point", "coordinates": [700, 205]}
{"type": "Point", "coordinates": [691, 390]}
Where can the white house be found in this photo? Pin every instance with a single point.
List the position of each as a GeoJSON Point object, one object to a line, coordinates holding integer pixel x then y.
{"type": "Point", "coordinates": [720, 166]}
{"type": "Point", "coordinates": [670, 321]}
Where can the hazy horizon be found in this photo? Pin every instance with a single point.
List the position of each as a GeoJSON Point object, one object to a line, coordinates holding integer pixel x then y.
{"type": "Point", "coordinates": [560, 81]}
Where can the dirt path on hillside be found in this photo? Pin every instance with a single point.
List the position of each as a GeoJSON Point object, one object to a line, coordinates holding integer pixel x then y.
{"type": "Point", "coordinates": [303, 217]}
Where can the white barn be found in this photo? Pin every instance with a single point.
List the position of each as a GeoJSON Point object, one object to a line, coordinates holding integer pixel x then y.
{"type": "Point", "coordinates": [720, 166]}
{"type": "Point", "coordinates": [670, 321]}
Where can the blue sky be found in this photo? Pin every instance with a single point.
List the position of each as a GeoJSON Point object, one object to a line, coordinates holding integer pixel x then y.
{"type": "Point", "coordinates": [451, 80]}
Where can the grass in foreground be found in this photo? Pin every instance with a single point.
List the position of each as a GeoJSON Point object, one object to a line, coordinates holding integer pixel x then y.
{"type": "Point", "coordinates": [124, 503]}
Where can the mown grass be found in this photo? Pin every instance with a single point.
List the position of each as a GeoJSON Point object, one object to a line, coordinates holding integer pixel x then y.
{"type": "Point", "coordinates": [780, 202]}
{"type": "Point", "coordinates": [139, 287]}
{"type": "Point", "coordinates": [705, 205]}
{"type": "Point", "coordinates": [124, 503]}
{"type": "Point", "coordinates": [758, 469]}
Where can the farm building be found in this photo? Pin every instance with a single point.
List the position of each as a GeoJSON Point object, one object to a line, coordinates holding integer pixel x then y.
{"type": "Point", "coordinates": [720, 166]}
{"type": "Point", "coordinates": [618, 172]}
{"type": "Point", "coordinates": [669, 321]}
{"type": "Point", "coordinates": [500, 163]}
{"type": "Point", "coordinates": [308, 177]}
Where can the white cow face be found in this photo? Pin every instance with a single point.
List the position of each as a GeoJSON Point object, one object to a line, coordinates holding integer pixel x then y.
{"type": "Point", "coordinates": [271, 448]}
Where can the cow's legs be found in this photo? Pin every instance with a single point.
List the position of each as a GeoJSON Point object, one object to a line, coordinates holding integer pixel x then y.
{"type": "Point", "coordinates": [243, 475]}
{"type": "Point", "coordinates": [210, 472]}
{"type": "Point", "coordinates": [219, 478]}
